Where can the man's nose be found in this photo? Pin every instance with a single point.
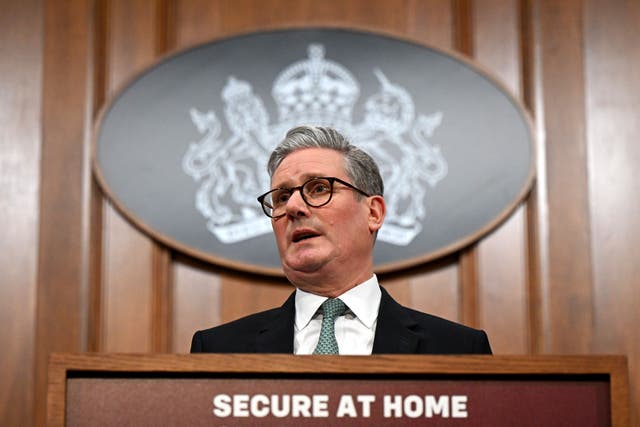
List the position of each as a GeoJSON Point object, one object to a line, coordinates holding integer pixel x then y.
{"type": "Point", "coordinates": [296, 205]}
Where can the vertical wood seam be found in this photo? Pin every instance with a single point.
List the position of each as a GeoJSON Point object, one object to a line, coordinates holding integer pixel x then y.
{"type": "Point", "coordinates": [162, 293]}
{"type": "Point", "coordinates": [468, 260]}
{"type": "Point", "coordinates": [161, 322]}
{"type": "Point", "coordinates": [98, 71]}
{"type": "Point", "coordinates": [165, 28]}
{"type": "Point", "coordinates": [463, 26]}
{"type": "Point", "coordinates": [534, 261]}
{"type": "Point", "coordinates": [468, 266]}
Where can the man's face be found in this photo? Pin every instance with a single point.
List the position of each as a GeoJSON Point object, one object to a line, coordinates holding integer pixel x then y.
{"type": "Point", "coordinates": [332, 243]}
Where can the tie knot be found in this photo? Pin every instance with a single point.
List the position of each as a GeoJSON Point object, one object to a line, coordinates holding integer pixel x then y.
{"type": "Point", "coordinates": [333, 307]}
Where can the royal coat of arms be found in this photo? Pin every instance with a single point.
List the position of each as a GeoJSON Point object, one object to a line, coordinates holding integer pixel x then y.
{"type": "Point", "coordinates": [229, 164]}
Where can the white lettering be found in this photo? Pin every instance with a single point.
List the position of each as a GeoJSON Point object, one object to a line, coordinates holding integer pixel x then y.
{"type": "Point", "coordinates": [259, 405]}
{"type": "Point", "coordinates": [221, 405]}
{"type": "Point", "coordinates": [241, 405]}
{"type": "Point", "coordinates": [392, 408]}
{"type": "Point", "coordinates": [300, 405]}
{"type": "Point", "coordinates": [459, 406]}
{"type": "Point", "coordinates": [413, 407]}
{"type": "Point", "coordinates": [280, 405]}
{"type": "Point", "coordinates": [365, 401]}
{"type": "Point", "coordinates": [429, 406]}
{"type": "Point", "coordinates": [320, 405]}
{"type": "Point", "coordinates": [437, 407]}
{"type": "Point", "coordinates": [346, 407]}
{"type": "Point", "coordinates": [349, 406]}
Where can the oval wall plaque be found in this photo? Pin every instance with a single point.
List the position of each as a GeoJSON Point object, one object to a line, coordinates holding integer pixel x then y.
{"type": "Point", "coordinates": [182, 149]}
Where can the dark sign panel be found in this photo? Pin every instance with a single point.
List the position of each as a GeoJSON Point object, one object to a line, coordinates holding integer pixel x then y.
{"type": "Point", "coordinates": [182, 150]}
{"type": "Point", "coordinates": [336, 402]}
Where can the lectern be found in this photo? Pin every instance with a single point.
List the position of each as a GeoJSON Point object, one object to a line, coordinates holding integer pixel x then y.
{"type": "Point", "coordinates": [382, 390]}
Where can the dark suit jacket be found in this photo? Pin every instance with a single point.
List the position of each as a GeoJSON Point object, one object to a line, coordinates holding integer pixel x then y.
{"type": "Point", "coordinates": [399, 330]}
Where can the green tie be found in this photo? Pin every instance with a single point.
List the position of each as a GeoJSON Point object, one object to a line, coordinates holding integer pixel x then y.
{"type": "Point", "coordinates": [331, 309]}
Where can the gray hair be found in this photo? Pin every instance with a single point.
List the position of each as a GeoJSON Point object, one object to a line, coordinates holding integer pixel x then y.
{"type": "Point", "coordinates": [359, 166]}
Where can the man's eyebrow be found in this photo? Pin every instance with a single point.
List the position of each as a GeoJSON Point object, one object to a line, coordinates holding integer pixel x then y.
{"type": "Point", "coordinates": [303, 178]}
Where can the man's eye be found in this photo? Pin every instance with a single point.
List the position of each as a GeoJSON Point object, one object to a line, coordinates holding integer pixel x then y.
{"type": "Point", "coordinates": [281, 197]}
{"type": "Point", "coordinates": [319, 187]}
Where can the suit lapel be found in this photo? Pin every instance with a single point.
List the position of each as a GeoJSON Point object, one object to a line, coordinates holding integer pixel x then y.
{"type": "Point", "coordinates": [394, 330]}
{"type": "Point", "coordinates": [277, 335]}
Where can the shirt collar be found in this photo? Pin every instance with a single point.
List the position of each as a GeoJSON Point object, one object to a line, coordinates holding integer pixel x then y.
{"type": "Point", "coordinates": [363, 300]}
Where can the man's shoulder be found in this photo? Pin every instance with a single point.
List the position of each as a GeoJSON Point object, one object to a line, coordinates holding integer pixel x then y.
{"type": "Point", "coordinates": [269, 331]}
{"type": "Point", "coordinates": [439, 325]}
{"type": "Point", "coordinates": [432, 334]}
{"type": "Point", "coordinates": [250, 323]}
{"type": "Point", "coordinates": [452, 336]}
{"type": "Point", "coordinates": [240, 335]}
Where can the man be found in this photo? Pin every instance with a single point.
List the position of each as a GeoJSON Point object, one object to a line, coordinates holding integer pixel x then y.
{"type": "Point", "coordinates": [326, 207]}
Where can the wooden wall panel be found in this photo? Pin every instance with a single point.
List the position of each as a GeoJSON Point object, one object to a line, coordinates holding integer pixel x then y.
{"type": "Point", "coordinates": [196, 302]}
{"type": "Point", "coordinates": [430, 22]}
{"type": "Point", "coordinates": [241, 296]}
{"type": "Point", "coordinates": [20, 104]}
{"type": "Point", "coordinates": [537, 203]}
{"type": "Point", "coordinates": [128, 280]}
{"type": "Point", "coordinates": [568, 325]}
{"type": "Point", "coordinates": [612, 70]}
{"type": "Point", "coordinates": [559, 276]}
{"type": "Point", "coordinates": [63, 286]}
{"type": "Point", "coordinates": [196, 288]}
{"type": "Point", "coordinates": [434, 289]}
{"type": "Point", "coordinates": [503, 291]}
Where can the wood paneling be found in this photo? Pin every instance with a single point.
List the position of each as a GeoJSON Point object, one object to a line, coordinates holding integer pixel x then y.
{"type": "Point", "coordinates": [502, 297]}
{"type": "Point", "coordinates": [568, 321]}
{"type": "Point", "coordinates": [612, 67]}
{"type": "Point", "coordinates": [240, 296]}
{"type": "Point", "coordinates": [62, 312]}
{"type": "Point", "coordinates": [128, 255]}
{"type": "Point", "coordinates": [196, 302]}
{"type": "Point", "coordinates": [558, 276]}
{"type": "Point", "coordinates": [537, 206]}
{"type": "Point", "coordinates": [436, 291]}
{"type": "Point", "coordinates": [20, 104]}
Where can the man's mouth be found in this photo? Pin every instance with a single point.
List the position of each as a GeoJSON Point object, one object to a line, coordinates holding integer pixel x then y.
{"type": "Point", "coordinates": [299, 236]}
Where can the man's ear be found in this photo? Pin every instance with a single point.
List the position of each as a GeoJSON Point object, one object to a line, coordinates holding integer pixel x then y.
{"type": "Point", "coordinates": [377, 212]}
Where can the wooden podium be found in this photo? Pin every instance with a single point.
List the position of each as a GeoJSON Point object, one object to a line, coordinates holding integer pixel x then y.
{"type": "Point", "coordinates": [282, 390]}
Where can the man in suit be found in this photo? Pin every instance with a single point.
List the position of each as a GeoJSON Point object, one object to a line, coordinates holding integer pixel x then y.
{"type": "Point", "coordinates": [326, 207]}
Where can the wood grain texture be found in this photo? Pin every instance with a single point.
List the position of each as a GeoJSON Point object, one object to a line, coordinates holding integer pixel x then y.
{"type": "Point", "coordinates": [391, 364]}
{"type": "Point", "coordinates": [127, 290]}
{"type": "Point", "coordinates": [537, 204]}
{"type": "Point", "coordinates": [430, 22]}
{"type": "Point", "coordinates": [436, 291]}
{"type": "Point", "coordinates": [569, 322]}
{"type": "Point", "coordinates": [65, 177]}
{"type": "Point", "coordinates": [129, 282]}
{"type": "Point", "coordinates": [21, 32]}
{"type": "Point", "coordinates": [558, 276]}
{"type": "Point", "coordinates": [241, 296]}
{"type": "Point", "coordinates": [502, 263]}
{"type": "Point", "coordinates": [612, 61]}
{"type": "Point", "coordinates": [162, 304]}
{"type": "Point", "coordinates": [196, 302]}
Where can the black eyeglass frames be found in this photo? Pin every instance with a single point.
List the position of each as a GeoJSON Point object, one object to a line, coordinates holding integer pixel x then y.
{"type": "Point", "coordinates": [315, 192]}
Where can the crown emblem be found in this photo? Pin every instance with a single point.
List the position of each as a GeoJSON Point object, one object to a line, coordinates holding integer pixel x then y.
{"type": "Point", "coordinates": [230, 168]}
{"type": "Point", "coordinates": [315, 91]}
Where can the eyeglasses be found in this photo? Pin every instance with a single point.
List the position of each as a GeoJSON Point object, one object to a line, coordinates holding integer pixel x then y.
{"type": "Point", "coordinates": [315, 192]}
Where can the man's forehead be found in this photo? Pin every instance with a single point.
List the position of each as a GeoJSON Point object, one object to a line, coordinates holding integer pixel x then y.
{"type": "Point", "coordinates": [307, 163]}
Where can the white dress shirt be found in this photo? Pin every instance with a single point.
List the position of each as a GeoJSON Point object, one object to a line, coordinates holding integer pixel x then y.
{"type": "Point", "coordinates": [354, 330]}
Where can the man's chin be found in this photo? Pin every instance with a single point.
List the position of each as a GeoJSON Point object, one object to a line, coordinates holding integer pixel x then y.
{"type": "Point", "coordinates": [300, 268]}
